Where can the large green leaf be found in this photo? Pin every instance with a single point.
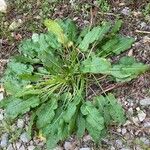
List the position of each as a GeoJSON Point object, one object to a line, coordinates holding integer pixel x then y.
{"type": "Point", "coordinates": [96, 34]}
{"type": "Point", "coordinates": [56, 29]}
{"type": "Point", "coordinates": [46, 112]}
{"type": "Point", "coordinates": [19, 106]}
{"type": "Point", "coordinates": [95, 65]}
{"type": "Point", "coordinates": [93, 117]}
{"type": "Point", "coordinates": [128, 69]}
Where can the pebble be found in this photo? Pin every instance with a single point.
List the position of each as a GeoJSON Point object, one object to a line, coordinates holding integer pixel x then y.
{"type": "Point", "coordinates": [20, 123]}
{"type": "Point", "coordinates": [119, 130]}
{"type": "Point", "coordinates": [22, 148]}
{"type": "Point", "coordinates": [1, 117]}
{"type": "Point", "coordinates": [10, 147]}
{"type": "Point", "coordinates": [145, 140]}
{"type": "Point", "coordinates": [126, 11]}
{"type": "Point", "coordinates": [18, 145]}
{"type": "Point", "coordinates": [124, 131]}
{"type": "Point", "coordinates": [125, 149]}
{"type": "Point", "coordinates": [118, 143]}
{"type": "Point", "coordinates": [87, 138]}
{"type": "Point", "coordinates": [135, 120]}
{"type": "Point", "coordinates": [1, 96]}
{"type": "Point", "coordinates": [24, 137]}
{"type": "Point", "coordinates": [31, 147]}
{"type": "Point", "coordinates": [141, 115]}
{"type": "Point", "coordinates": [4, 140]}
{"type": "Point", "coordinates": [87, 148]}
{"type": "Point", "coordinates": [68, 146]}
{"type": "Point", "coordinates": [146, 124]}
{"type": "Point", "coordinates": [145, 102]}
{"type": "Point", "coordinates": [3, 6]}
{"type": "Point", "coordinates": [58, 148]}
{"type": "Point", "coordinates": [143, 24]}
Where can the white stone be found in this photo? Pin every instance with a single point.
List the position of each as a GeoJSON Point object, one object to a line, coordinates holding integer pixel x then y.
{"type": "Point", "coordinates": [32, 147]}
{"type": "Point", "coordinates": [24, 137]}
{"type": "Point", "coordinates": [87, 148]}
{"type": "Point", "coordinates": [18, 145]}
{"type": "Point", "coordinates": [10, 147]}
{"type": "Point", "coordinates": [126, 11]}
{"type": "Point", "coordinates": [68, 145]}
{"type": "Point", "coordinates": [3, 6]}
{"type": "Point", "coordinates": [4, 140]}
{"type": "Point", "coordinates": [124, 131]}
{"type": "Point", "coordinates": [141, 115]}
{"type": "Point", "coordinates": [22, 148]}
{"type": "Point", "coordinates": [145, 140]}
{"type": "Point", "coordinates": [1, 96]}
{"type": "Point", "coordinates": [135, 120]}
{"type": "Point", "coordinates": [119, 143]}
{"type": "Point", "coordinates": [20, 123]}
{"type": "Point", "coordinates": [145, 102]}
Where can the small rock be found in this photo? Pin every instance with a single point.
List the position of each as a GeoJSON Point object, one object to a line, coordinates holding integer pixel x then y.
{"type": "Point", "coordinates": [20, 123]}
{"type": "Point", "coordinates": [124, 131]}
{"type": "Point", "coordinates": [15, 24]}
{"type": "Point", "coordinates": [87, 138]}
{"type": "Point", "coordinates": [31, 147]}
{"type": "Point", "coordinates": [125, 149]}
{"type": "Point", "coordinates": [118, 143]}
{"type": "Point", "coordinates": [141, 115]}
{"type": "Point", "coordinates": [146, 124]}
{"type": "Point", "coordinates": [10, 147]}
{"type": "Point", "coordinates": [18, 145]}
{"type": "Point", "coordinates": [1, 96]}
{"type": "Point", "coordinates": [68, 146]}
{"type": "Point", "coordinates": [112, 148]}
{"type": "Point", "coordinates": [24, 137]}
{"type": "Point", "coordinates": [126, 11]}
{"type": "Point", "coordinates": [22, 148]}
{"type": "Point", "coordinates": [87, 148]}
{"type": "Point", "coordinates": [145, 140]}
{"type": "Point", "coordinates": [58, 148]}
{"type": "Point", "coordinates": [143, 24]}
{"type": "Point", "coordinates": [3, 6]}
{"type": "Point", "coordinates": [1, 117]}
{"type": "Point", "coordinates": [119, 130]}
{"type": "Point", "coordinates": [135, 120]}
{"type": "Point", "coordinates": [145, 102]}
{"type": "Point", "coordinates": [4, 140]}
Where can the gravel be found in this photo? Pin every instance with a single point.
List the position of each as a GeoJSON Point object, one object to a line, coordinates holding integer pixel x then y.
{"type": "Point", "coordinates": [141, 115]}
{"type": "Point", "coordinates": [24, 137]}
{"type": "Point", "coordinates": [20, 123]}
{"type": "Point", "coordinates": [4, 140]}
{"type": "Point", "coordinates": [145, 102]}
{"type": "Point", "coordinates": [126, 11]}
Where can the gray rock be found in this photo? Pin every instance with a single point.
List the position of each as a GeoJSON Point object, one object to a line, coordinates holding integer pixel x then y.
{"type": "Point", "coordinates": [146, 124]}
{"type": "Point", "coordinates": [145, 140]}
{"type": "Point", "coordinates": [126, 11]}
{"type": "Point", "coordinates": [141, 115]}
{"type": "Point", "coordinates": [124, 131]}
{"type": "Point", "coordinates": [20, 123]}
{"type": "Point", "coordinates": [143, 25]}
{"type": "Point", "coordinates": [87, 148]}
{"type": "Point", "coordinates": [18, 145]}
{"type": "Point", "coordinates": [24, 137]}
{"type": "Point", "coordinates": [1, 96]}
{"type": "Point", "coordinates": [119, 143]}
{"type": "Point", "coordinates": [31, 147]}
{"type": "Point", "coordinates": [68, 145]}
{"type": "Point", "coordinates": [145, 102]}
{"type": "Point", "coordinates": [22, 148]}
{"type": "Point", "coordinates": [10, 147]}
{"type": "Point", "coordinates": [4, 140]}
{"type": "Point", "coordinates": [1, 116]}
{"type": "Point", "coordinates": [125, 148]}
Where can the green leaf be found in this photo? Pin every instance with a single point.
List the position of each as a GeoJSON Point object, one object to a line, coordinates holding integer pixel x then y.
{"type": "Point", "coordinates": [96, 34]}
{"type": "Point", "coordinates": [95, 65]}
{"type": "Point", "coordinates": [127, 69]}
{"type": "Point", "coordinates": [46, 112]}
{"type": "Point", "coordinates": [123, 44]}
{"type": "Point", "coordinates": [55, 28]}
{"type": "Point", "coordinates": [19, 106]}
{"type": "Point", "coordinates": [80, 125]}
{"type": "Point", "coordinates": [93, 117]}
{"type": "Point", "coordinates": [116, 26]}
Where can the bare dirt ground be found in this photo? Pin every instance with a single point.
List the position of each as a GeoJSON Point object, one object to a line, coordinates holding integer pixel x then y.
{"type": "Point", "coordinates": [25, 17]}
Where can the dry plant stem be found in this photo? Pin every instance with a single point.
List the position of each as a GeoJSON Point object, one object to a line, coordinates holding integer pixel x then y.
{"type": "Point", "coordinates": [145, 32]}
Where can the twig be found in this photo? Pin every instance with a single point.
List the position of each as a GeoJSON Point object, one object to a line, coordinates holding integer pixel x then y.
{"type": "Point", "coordinates": [145, 32]}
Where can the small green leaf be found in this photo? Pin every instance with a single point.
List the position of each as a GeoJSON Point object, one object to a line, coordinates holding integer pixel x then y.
{"type": "Point", "coordinates": [95, 65]}
{"type": "Point", "coordinates": [19, 106]}
{"type": "Point", "coordinates": [96, 34]}
{"type": "Point", "coordinates": [55, 28]}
